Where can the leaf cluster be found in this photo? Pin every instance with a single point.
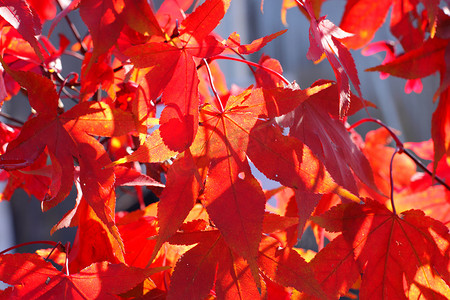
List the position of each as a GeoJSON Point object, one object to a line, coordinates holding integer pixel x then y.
{"type": "Point", "coordinates": [213, 233]}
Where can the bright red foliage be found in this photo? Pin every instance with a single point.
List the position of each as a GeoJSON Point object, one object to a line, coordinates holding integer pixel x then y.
{"type": "Point", "coordinates": [212, 233]}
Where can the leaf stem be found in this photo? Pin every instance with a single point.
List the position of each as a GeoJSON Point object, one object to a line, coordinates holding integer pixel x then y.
{"type": "Point", "coordinates": [424, 168]}
{"type": "Point", "coordinates": [52, 243]}
{"type": "Point", "coordinates": [401, 149]}
{"type": "Point", "coordinates": [398, 143]}
{"type": "Point", "coordinates": [64, 83]}
{"type": "Point", "coordinates": [211, 82]}
{"type": "Point", "coordinates": [74, 30]}
{"type": "Point", "coordinates": [11, 118]}
{"type": "Point", "coordinates": [287, 82]}
{"type": "Point", "coordinates": [243, 58]}
{"type": "Point", "coordinates": [391, 179]}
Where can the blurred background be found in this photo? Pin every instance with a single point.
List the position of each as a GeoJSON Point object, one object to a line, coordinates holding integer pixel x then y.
{"type": "Point", "coordinates": [410, 114]}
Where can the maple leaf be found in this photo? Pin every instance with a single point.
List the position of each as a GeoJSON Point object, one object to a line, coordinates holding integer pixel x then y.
{"type": "Point", "coordinates": [135, 229]}
{"type": "Point", "coordinates": [235, 202]}
{"type": "Point", "coordinates": [324, 39]}
{"type": "Point", "coordinates": [234, 42]}
{"type": "Point", "coordinates": [407, 25]}
{"type": "Point", "coordinates": [335, 268]}
{"type": "Point", "coordinates": [173, 71]}
{"type": "Point", "coordinates": [94, 74]}
{"type": "Point", "coordinates": [102, 17]}
{"type": "Point", "coordinates": [34, 179]}
{"type": "Point", "coordinates": [265, 79]}
{"type": "Point", "coordinates": [418, 63]}
{"type": "Point", "coordinates": [95, 241]}
{"type": "Point", "coordinates": [210, 263]}
{"type": "Point", "coordinates": [46, 9]}
{"type": "Point", "coordinates": [74, 130]}
{"type": "Point", "coordinates": [440, 128]}
{"type": "Point", "coordinates": [138, 230]}
{"type": "Point", "coordinates": [363, 18]}
{"type": "Point", "coordinates": [433, 201]}
{"type": "Point", "coordinates": [170, 11]}
{"type": "Point", "coordinates": [379, 156]}
{"type": "Point", "coordinates": [33, 278]}
{"type": "Point", "coordinates": [391, 249]}
{"type": "Point", "coordinates": [294, 165]}
{"type": "Point", "coordinates": [236, 205]}
{"type": "Point", "coordinates": [286, 267]}
{"type": "Point", "coordinates": [411, 84]}
{"type": "Point", "coordinates": [35, 135]}
{"type": "Point", "coordinates": [24, 19]}
{"type": "Point", "coordinates": [139, 15]}
{"type": "Point", "coordinates": [329, 140]}
{"type": "Point", "coordinates": [177, 200]}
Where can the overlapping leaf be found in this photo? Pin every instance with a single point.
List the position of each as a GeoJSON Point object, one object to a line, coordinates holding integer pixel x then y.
{"type": "Point", "coordinates": [24, 19]}
{"type": "Point", "coordinates": [324, 38]}
{"type": "Point", "coordinates": [73, 130]}
{"type": "Point", "coordinates": [173, 71]}
{"type": "Point", "coordinates": [233, 198]}
{"type": "Point", "coordinates": [33, 278]}
{"type": "Point", "coordinates": [211, 261]}
{"type": "Point", "coordinates": [335, 267]}
{"type": "Point", "coordinates": [418, 63]}
{"type": "Point", "coordinates": [177, 199]}
{"type": "Point", "coordinates": [103, 19]}
{"type": "Point", "coordinates": [329, 141]}
{"type": "Point", "coordinates": [287, 267]}
{"type": "Point", "coordinates": [440, 127]}
{"type": "Point", "coordinates": [363, 18]}
{"type": "Point", "coordinates": [393, 251]}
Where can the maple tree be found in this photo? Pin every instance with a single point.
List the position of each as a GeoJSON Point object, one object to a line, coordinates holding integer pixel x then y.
{"type": "Point", "coordinates": [213, 234]}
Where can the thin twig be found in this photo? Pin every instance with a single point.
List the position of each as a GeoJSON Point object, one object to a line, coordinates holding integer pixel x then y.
{"type": "Point", "coordinates": [401, 149]}
{"type": "Point", "coordinates": [52, 243]}
{"type": "Point", "coordinates": [420, 165]}
{"type": "Point", "coordinates": [398, 143]}
{"type": "Point", "coordinates": [74, 54]}
{"type": "Point", "coordinates": [118, 69]}
{"type": "Point", "coordinates": [243, 58]}
{"type": "Point", "coordinates": [74, 30]}
{"type": "Point", "coordinates": [11, 118]}
{"type": "Point", "coordinates": [391, 179]}
{"type": "Point", "coordinates": [287, 82]}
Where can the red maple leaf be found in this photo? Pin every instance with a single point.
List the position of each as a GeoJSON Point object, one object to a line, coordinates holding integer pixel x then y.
{"type": "Point", "coordinates": [379, 156]}
{"type": "Point", "coordinates": [328, 139]}
{"type": "Point", "coordinates": [32, 277]}
{"type": "Point", "coordinates": [74, 130]}
{"type": "Point", "coordinates": [286, 267]}
{"type": "Point", "coordinates": [335, 267]}
{"type": "Point", "coordinates": [213, 265]}
{"type": "Point", "coordinates": [397, 254]}
{"type": "Point", "coordinates": [440, 127]}
{"type": "Point", "coordinates": [363, 18]}
{"type": "Point", "coordinates": [177, 200]}
{"type": "Point", "coordinates": [104, 23]}
{"type": "Point", "coordinates": [210, 264]}
{"type": "Point", "coordinates": [24, 19]}
{"type": "Point", "coordinates": [418, 63]}
{"type": "Point", "coordinates": [174, 73]}
{"type": "Point", "coordinates": [324, 38]}
{"type": "Point", "coordinates": [233, 198]}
